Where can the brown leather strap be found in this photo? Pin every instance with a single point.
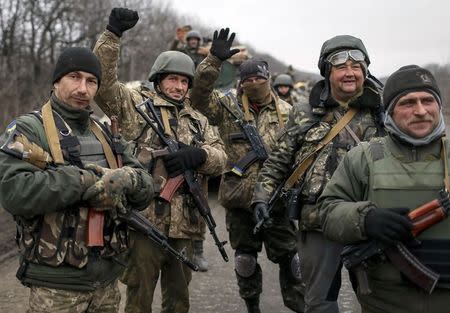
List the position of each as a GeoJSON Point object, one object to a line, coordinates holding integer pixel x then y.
{"type": "Point", "coordinates": [444, 157]}
{"type": "Point", "coordinates": [112, 162]}
{"type": "Point", "coordinates": [309, 159]}
{"type": "Point", "coordinates": [245, 104]}
{"type": "Point", "coordinates": [52, 133]}
{"type": "Point", "coordinates": [277, 108]}
{"type": "Point", "coordinates": [165, 120]}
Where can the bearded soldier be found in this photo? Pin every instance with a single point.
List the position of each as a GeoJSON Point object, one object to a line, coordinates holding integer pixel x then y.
{"type": "Point", "coordinates": [257, 107]}
{"type": "Point", "coordinates": [201, 151]}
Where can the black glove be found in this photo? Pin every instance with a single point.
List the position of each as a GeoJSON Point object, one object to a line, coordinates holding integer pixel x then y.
{"type": "Point", "coordinates": [388, 225]}
{"type": "Point", "coordinates": [121, 19]}
{"type": "Point", "coordinates": [187, 158]}
{"type": "Point", "coordinates": [221, 44]}
{"type": "Point", "coordinates": [261, 212]}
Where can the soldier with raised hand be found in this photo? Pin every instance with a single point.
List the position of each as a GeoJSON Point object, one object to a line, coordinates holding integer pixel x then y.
{"type": "Point", "coordinates": [346, 93]}
{"type": "Point", "coordinates": [378, 183]}
{"type": "Point", "coordinates": [255, 105]}
{"type": "Point", "coordinates": [58, 169]}
{"type": "Point", "coordinates": [201, 151]}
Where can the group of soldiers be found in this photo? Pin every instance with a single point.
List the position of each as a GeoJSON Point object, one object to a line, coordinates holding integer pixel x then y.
{"type": "Point", "coordinates": [310, 178]}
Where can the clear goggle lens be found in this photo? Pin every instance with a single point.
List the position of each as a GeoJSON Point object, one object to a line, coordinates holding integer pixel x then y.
{"type": "Point", "coordinates": [341, 57]}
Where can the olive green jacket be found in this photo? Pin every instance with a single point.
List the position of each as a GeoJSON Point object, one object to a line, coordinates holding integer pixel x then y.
{"type": "Point", "coordinates": [29, 192]}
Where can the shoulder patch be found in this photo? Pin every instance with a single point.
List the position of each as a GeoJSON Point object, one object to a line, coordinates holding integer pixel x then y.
{"type": "Point", "coordinates": [11, 127]}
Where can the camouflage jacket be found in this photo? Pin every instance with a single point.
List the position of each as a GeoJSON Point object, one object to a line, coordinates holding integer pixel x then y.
{"type": "Point", "coordinates": [51, 218]}
{"type": "Point", "coordinates": [235, 191]}
{"type": "Point", "coordinates": [304, 130]}
{"type": "Point", "coordinates": [180, 218]}
{"type": "Point", "coordinates": [294, 98]}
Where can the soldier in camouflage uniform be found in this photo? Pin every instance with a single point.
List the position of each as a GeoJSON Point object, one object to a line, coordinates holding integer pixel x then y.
{"type": "Point", "coordinates": [202, 151]}
{"type": "Point", "coordinates": [50, 187]}
{"type": "Point", "coordinates": [343, 63]}
{"type": "Point", "coordinates": [193, 47]}
{"type": "Point", "coordinates": [284, 86]}
{"type": "Point", "coordinates": [258, 105]}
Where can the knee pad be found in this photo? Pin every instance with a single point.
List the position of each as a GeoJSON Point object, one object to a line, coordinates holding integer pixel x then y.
{"type": "Point", "coordinates": [245, 264]}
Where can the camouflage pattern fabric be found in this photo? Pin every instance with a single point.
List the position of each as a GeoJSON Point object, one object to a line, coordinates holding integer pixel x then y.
{"type": "Point", "coordinates": [146, 262]}
{"type": "Point", "coordinates": [235, 192]}
{"type": "Point", "coordinates": [304, 131]}
{"type": "Point", "coordinates": [110, 190]}
{"type": "Point", "coordinates": [180, 218]}
{"type": "Point", "coordinates": [48, 300]}
{"type": "Point", "coordinates": [51, 219]}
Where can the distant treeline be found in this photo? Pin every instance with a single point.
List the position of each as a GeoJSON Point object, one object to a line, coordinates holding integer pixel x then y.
{"type": "Point", "coordinates": [33, 33]}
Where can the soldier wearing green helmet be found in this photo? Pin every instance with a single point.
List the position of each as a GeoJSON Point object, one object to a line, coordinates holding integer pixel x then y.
{"type": "Point", "coordinates": [284, 86]}
{"type": "Point", "coordinates": [348, 93]}
{"type": "Point", "coordinates": [201, 151]}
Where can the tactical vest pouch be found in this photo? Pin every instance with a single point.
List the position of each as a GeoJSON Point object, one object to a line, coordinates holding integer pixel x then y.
{"type": "Point", "coordinates": [61, 239]}
{"type": "Point", "coordinates": [236, 192]}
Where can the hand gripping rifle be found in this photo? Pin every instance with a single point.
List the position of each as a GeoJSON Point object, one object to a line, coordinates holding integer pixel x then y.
{"type": "Point", "coordinates": [18, 146]}
{"type": "Point", "coordinates": [357, 257]}
{"type": "Point", "coordinates": [258, 151]}
{"type": "Point", "coordinates": [191, 181]}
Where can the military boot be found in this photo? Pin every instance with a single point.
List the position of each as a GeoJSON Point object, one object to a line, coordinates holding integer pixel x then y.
{"type": "Point", "coordinates": [252, 305]}
{"type": "Point", "coordinates": [199, 258]}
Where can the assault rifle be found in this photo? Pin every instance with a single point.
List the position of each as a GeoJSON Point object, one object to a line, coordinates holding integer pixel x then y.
{"type": "Point", "coordinates": [18, 146]}
{"type": "Point", "coordinates": [250, 133]}
{"type": "Point", "coordinates": [357, 257]}
{"type": "Point", "coordinates": [291, 199]}
{"type": "Point", "coordinates": [189, 177]}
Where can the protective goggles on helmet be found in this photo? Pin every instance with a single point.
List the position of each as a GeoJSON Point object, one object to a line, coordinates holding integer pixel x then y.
{"type": "Point", "coordinates": [341, 57]}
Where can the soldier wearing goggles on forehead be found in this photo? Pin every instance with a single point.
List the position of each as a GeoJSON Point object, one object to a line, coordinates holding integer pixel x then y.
{"type": "Point", "coordinates": [347, 93]}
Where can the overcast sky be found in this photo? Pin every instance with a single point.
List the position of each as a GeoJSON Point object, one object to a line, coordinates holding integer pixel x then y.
{"type": "Point", "coordinates": [394, 32]}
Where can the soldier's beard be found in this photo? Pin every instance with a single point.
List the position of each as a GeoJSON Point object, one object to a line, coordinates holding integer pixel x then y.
{"type": "Point", "coordinates": [258, 92]}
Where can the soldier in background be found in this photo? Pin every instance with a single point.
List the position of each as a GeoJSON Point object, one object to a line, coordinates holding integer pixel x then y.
{"type": "Point", "coordinates": [257, 104]}
{"type": "Point", "coordinates": [180, 38]}
{"type": "Point", "coordinates": [201, 151]}
{"type": "Point", "coordinates": [284, 86]}
{"type": "Point", "coordinates": [347, 89]}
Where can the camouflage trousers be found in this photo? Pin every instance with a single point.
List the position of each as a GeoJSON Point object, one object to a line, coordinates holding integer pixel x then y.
{"type": "Point", "coordinates": [280, 244]}
{"type": "Point", "coordinates": [49, 300]}
{"type": "Point", "coordinates": [146, 263]}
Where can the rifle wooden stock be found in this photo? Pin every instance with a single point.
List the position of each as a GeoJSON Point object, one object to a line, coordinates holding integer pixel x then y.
{"type": "Point", "coordinates": [355, 256]}
{"type": "Point", "coordinates": [430, 213]}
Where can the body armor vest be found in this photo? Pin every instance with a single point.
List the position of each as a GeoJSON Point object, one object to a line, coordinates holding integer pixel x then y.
{"type": "Point", "coordinates": [59, 237]}
{"type": "Point", "coordinates": [394, 183]}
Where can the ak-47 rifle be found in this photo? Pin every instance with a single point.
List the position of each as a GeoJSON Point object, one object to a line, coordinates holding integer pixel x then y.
{"type": "Point", "coordinates": [250, 133]}
{"type": "Point", "coordinates": [18, 146]}
{"type": "Point", "coordinates": [357, 257]}
{"type": "Point", "coordinates": [191, 181]}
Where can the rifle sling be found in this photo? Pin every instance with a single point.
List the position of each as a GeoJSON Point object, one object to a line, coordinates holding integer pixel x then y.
{"type": "Point", "coordinates": [68, 142]}
{"type": "Point", "coordinates": [444, 157]}
{"type": "Point", "coordinates": [309, 159]}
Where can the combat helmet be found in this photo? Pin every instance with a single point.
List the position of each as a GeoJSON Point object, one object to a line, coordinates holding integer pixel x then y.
{"type": "Point", "coordinates": [193, 34]}
{"type": "Point", "coordinates": [172, 62]}
{"type": "Point", "coordinates": [283, 80]}
{"type": "Point", "coordinates": [337, 43]}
